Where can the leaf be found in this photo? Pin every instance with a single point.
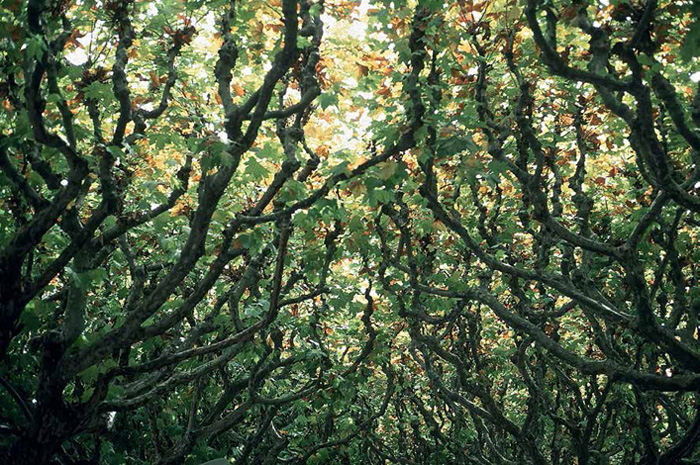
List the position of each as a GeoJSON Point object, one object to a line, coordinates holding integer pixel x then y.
{"type": "Point", "coordinates": [30, 320]}
{"type": "Point", "coordinates": [36, 47]}
{"type": "Point", "coordinates": [238, 89]}
{"type": "Point", "coordinates": [387, 169]}
{"type": "Point", "coordinates": [303, 42]}
{"type": "Point", "coordinates": [98, 90]}
{"type": "Point", "coordinates": [328, 99]}
{"type": "Point", "coordinates": [254, 170]}
{"type": "Point", "coordinates": [690, 48]}
{"type": "Point", "coordinates": [315, 10]}
{"type": "Point", "coordinates": [115, 151]}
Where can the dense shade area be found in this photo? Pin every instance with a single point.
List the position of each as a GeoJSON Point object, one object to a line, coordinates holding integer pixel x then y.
{"type": "Point", "coordinates": [349, 232]}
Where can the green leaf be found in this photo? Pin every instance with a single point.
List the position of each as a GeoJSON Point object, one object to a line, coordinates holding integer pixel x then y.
{"type": "Point", "coordinates": [328, 99]}
{"type": "Point", "coordinates": [36, 47]}
{"type": "Point", "coordinates": [30, 320]}
{"type": "Point", "coordinates": [254, 170]}
{"type": "Point", "coordinates": [690, 48]}
{"type": "Point", "coordinates": [303, 42]}
{"type": "Point", "coordinates": [98, 90]}
{"type": "Point", "coordinates": [387, 169]}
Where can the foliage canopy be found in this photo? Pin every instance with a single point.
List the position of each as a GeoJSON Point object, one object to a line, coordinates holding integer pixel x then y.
{"type": "Point", "coordinates": [307, 231]}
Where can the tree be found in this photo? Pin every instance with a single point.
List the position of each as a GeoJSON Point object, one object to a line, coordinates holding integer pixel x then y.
{"type": "Point", "coordinates": [349, 232]}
